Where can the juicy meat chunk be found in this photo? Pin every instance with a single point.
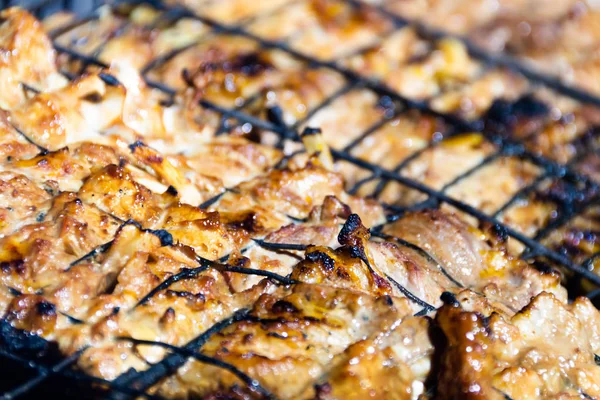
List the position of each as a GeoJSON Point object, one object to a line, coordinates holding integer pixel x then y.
{"type": "Point", "coordinates": [551, 352]}
{"type": "Point", "coordinates": [294, 193]}
{"type": "Point", "coordinates": [27, 57]}
{"type": "Point", "coordinates": [288, 347]}
{"type": "Point", "coordinates": [475, 260]}
{"type": "Point", "coordinates": [21, 202]}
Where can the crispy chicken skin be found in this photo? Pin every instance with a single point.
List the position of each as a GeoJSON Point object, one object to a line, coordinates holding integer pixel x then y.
{"type": "Point", "coordinates": [129, 226]}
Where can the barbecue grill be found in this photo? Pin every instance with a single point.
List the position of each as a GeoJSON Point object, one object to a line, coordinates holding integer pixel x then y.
{"type": "Point", "coordinates": [32, 367]}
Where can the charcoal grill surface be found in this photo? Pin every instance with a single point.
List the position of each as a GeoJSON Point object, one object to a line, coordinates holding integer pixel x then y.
{"type": "Point", "coordinates": [32, 367]}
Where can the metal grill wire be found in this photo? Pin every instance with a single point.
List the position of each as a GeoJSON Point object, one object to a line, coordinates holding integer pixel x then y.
{"type": "Point", "coordinates": [135, 384]}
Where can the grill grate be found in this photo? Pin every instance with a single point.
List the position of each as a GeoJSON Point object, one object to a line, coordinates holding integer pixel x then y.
{"type": "Point", "coordinates": [133, 384]}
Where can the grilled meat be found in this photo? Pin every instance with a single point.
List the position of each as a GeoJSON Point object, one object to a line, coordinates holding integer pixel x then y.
{"type": "Point", "coordinates": [27, 57]}
{"type": "Point", "coordinates": [476, 362]}
{"type": "Point", "coordinates": [557, 37]}
{"type": "Point", "coordinates": [258, 263]}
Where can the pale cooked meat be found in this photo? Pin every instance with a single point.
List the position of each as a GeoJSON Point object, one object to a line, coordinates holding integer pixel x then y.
{"type": "Point", "coordinates": [183, 33]}
{"type": "Point", "coordinates": [399, 138]}
{"type": "Point", "coordinates": [439, 165]}
{"type": "Point", "coordinates": [449, 64]}
{"type": "Point", "coordinates": [27, 57]}
{"type": "Point", "coordinates": [339, 121]}
{"type": "Point", "coordinates": [419, 70]}
{"type": "Point", "coordinates": [464, 16]}
{"type": "Point", "coordinates": [298, 16]}
{"type": "Point", "coordinates": [455, 16]}
{"type": "Point", "coordinates": [58, 20]}
{"type": "Point", "coordinates": [529, 214]}
{"type": "Point", "coordinates": [474, 259]}
{"type": "Point", "coordinates": [327, 29]}
{"type": "Point", "coordinates": [509, 176]}
{"type": "Point", "coordinates": [393, 53]}
{"type": "Point", "coordinates": [390, 145]}
{"type": "Point", "coordinates": [136, 38]}
{"type": "Point", "coordinates": [558, 37]}
{"type": "Point", "coordinates": [473, 99]}
{"type": "Point", "coordinates": [232, 160]}
{"type": "Point", "coordinates": [338, 29]}
{"type": "Point", "coordinates": [135, 44]}
{"type": "Point", "coordinates": [322, 225]}
{"type": "Point", "coordinates": [565, 45]}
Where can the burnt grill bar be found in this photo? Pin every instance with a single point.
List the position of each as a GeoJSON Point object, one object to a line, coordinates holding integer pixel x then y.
{"type": "Point", "coordinates": [135, 384]}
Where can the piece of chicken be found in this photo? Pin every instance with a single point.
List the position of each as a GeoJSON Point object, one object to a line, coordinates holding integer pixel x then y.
{"type": "Point", "coordinates": [27, 57]}
{"type": "Point", "coordinates": [552, 353]}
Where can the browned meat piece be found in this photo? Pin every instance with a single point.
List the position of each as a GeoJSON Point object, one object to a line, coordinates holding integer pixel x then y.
{"type": "Point", "coordinates": [21, 202]}
{"type": "Point", "coordinates": [290, 344]}
{"type": "Point", "coordinates": [475, 363]}
{"type": "Point", "coordinates": [231, 70]}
